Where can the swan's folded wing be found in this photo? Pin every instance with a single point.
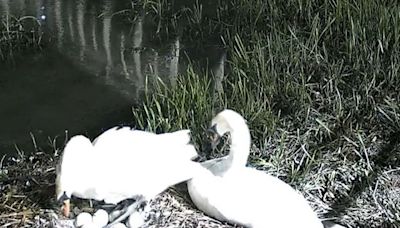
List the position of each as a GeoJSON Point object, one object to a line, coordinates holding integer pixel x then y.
{"type": "Point", "coordinates": [177, 150]}
{"type": "Point", "coordinates": [180, 137]}
{"type": "Point", "coordinates": [123, 140]}
{"type": "Point", "coordinates": [212, 195]}
{"type": "Point", "coordinates": [145, 172]}
{"type": "Point", "coordinates": [117, 135]}
{"type": "Point", "coordinates": [276, 198]}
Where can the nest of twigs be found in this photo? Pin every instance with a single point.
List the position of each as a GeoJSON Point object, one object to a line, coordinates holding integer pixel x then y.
{"type": "Point", "coordinates": [27, 199]}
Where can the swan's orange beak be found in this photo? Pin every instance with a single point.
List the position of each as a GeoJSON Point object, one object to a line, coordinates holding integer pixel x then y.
{"type": "Point", "coordinates": [64, 201]}
{"type": "Point", "coordinates": [66, 208]}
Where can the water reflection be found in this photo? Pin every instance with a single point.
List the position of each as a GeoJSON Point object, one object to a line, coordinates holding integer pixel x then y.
{"type": "Point", "coordinates": [58, 23]}
{"type": "Point", "coordinates": [107, 60]}
{"type": "Point", "coordinates": [137, 45]}
{"type": "Point", "coordinates": [173, 69]}
{"type": "Point", "coordinates": [4, 6]}
{"type": "Point", "coordinates": [92, 35]}
{"type": "Point", "coordinates": [219, 73]}
{"type": "Point", "coordinates": [95, 36]}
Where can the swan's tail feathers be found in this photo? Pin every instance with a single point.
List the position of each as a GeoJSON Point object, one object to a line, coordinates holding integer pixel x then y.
{"type": "Point", "coordinates": [112, 133]}
{"type": "Point", "coordinates": [107, 132]}
{"type": "Point", "coordinates": [329, 224]}
{"type": "Point", "coordinates": [124, 134]}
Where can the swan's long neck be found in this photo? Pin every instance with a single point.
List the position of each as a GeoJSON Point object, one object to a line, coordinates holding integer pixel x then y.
{"type": "Point", "coordinates": [240, 146]}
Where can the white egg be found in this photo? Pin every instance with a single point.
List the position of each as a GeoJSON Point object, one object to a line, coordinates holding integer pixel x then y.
{"type": "Point", "coordinates": [136, 219]}
{"type": "Point", "coordinates": [100, 218]}
{"type": "Point", "coordinates": [118, 225]}
{"type": "Point", "coordinates": [82, 219]}
{"type": "Point", "coordinates": [90, 225]}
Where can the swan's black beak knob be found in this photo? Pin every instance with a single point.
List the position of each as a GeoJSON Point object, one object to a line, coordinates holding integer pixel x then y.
{"type": "Point", "coordinates": [213, 138]}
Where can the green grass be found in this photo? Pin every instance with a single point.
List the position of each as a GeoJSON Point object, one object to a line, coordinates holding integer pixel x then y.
{"type": "Point", "coordinates": [18, 34]}
{"type": "Point", "coordinates": [318, 83]}
{"type": "Point", "coordinates": [164, 109]}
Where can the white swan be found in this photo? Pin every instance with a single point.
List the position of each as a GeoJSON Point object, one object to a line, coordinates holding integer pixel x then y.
{"type": "Point", "coordinates": [232, 192]}
{"type": "Point", "coordinates": [122, 164]}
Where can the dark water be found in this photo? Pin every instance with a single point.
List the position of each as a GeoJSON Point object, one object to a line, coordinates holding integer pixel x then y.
{"type": "Point", "coordinates": [89, 74]}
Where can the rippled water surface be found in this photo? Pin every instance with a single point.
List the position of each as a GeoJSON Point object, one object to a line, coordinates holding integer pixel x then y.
{"type": "Point", "coordinates": [89, 74]}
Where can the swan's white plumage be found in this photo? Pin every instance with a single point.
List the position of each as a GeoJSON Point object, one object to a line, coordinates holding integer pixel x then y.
{"type": "Point", "coordinates": [77, 169]}
{"type": "Point", "coordinates": [230, 191]}
{"type": "Point", "coordinates": [124, 163]}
